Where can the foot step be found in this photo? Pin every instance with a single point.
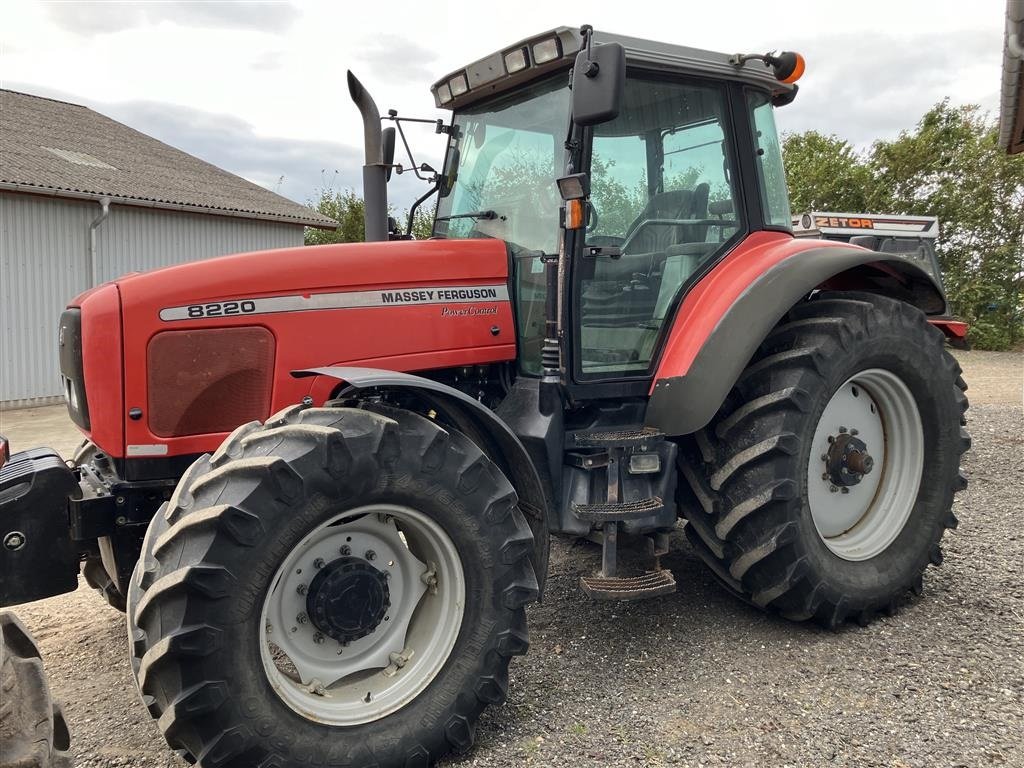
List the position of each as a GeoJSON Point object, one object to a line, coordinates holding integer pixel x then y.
{"type": "Point", "coordinates": [651, 584]}
{"type": "Point", "coordinates": [624, 438]}
{"type": "Point", "coordinates": [610, 512]}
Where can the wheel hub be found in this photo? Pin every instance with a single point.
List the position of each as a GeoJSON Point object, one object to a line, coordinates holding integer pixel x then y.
{"type": "Point", "coordinates": [347, 599]}
{"type": "Point", "coordinates": [847, 459]}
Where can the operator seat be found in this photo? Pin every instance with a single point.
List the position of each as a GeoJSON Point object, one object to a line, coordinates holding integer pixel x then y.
{"type": "Point", "coordinates": [675, 204]}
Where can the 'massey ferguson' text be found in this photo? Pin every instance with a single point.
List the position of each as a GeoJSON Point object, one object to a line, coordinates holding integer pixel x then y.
{"type": "Point", "coordinates": [437, 294]}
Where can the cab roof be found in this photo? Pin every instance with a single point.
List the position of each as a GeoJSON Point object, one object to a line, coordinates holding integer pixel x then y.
{"type": "Point", "coordinates": [490, 75]}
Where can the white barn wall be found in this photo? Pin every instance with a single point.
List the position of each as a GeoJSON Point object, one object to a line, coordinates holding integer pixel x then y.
{"type": "Point", "coordinates": [44, 245]}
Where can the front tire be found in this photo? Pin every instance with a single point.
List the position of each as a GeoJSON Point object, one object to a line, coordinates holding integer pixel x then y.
{"type": "Point", "coordinates": [234, 614]}
{"type": "Point", "coordinates": [822, 488]}
{"type": "Point", "coordinates": [33, 732]}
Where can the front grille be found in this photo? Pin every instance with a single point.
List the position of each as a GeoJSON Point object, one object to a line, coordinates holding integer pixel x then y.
{"type": "Point", "coordinates": [209, 380]}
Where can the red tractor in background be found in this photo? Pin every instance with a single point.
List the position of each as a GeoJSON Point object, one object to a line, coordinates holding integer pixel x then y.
{"type": "Point", "coordinates": [322, 480]}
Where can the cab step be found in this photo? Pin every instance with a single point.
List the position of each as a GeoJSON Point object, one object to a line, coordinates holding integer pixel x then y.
{"type": "Point", "coordinates": [650, 584]}
{"type": "Point", "coordinates": [619, 438]}
{"type": "Point", "coordinates": [610, 511]}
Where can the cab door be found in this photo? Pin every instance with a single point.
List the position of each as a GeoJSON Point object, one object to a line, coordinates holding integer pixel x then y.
{"type": "Point", "coordinates": [664, 207]}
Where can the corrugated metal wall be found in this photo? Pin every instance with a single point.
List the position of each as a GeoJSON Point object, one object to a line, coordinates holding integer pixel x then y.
{"type": "Point", "coordinates": [44, 245]}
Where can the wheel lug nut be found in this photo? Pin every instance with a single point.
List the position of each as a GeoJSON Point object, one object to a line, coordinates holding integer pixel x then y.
{"type": "Point", "coordinates": [371, 555]}
{"type": "Point", "coordinates": [854, 432]}
{"type": "Point", "coordinates": [318, 563]}
{"type": "Point", "coordinates": [833, 488]}
{"type": "Point", "coordinates": [301, 589]}
{"type": "Point", "coordinates": [318, 639]}
{"type": "Point", "coordinates": [344, 550]}
{"type": "Point", "coordinates": [844, 489]}
{"type": "Point", "coordinates": [831, 439]}
{"type": "Point", "coordinates": [842, 430]}
{"type": "Point", "coordinates": [824, 476]}
{"type": "Point", "coordinates": [824, 457]}
{"type": "Point", "coordinates": [302, 618]}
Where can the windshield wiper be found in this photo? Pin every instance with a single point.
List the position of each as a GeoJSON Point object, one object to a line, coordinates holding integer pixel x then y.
{"type": "Point", "coordinates": [470, 215]}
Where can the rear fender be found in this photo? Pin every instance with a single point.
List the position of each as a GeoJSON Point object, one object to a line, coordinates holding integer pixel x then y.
{"type": "Point", "coordinates": [718, 329]}
{"type": "Point", "coordinates": [476, 421]}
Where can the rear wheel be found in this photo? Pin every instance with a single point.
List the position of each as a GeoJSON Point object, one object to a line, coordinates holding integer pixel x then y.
{"type": "Point", "coordinates": [337, 586]}
{"type": "Point", "coordinates": [33, 733]}
{"type": "Point", "coordinates": [824, 485]}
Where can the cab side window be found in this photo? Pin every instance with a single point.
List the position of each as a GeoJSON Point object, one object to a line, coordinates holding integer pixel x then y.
{"type": "Point", "coordinates": [662, 190]}
{"type": "Point", "coordinates": [771, 175]}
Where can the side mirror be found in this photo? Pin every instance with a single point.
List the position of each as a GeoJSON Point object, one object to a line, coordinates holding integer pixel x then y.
{"type": "Point", "coordinates": [388, 150]}
{"type": "Point", "coordinates": [598, 84]}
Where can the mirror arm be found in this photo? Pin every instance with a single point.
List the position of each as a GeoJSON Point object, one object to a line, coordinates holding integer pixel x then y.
{"type": "Point", "coordinates": [419, 201]}
{"type": "Point", "coordinates": [439, 127]}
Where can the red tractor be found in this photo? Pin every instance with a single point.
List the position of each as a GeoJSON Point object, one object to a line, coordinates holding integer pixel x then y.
{"type": "Point", "coordinates": [322, 480]}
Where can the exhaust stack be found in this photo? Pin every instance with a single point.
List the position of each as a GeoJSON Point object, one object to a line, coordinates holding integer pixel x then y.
{"type": "Point", "coordinates": [375, 190]}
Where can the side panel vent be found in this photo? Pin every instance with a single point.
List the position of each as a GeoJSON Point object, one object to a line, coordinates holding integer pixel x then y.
{"type": "Point", "coordinates": [209, 380]}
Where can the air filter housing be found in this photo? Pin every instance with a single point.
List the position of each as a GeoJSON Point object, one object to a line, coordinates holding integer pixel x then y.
{"type": "Point", "coordinates": [209, 380]}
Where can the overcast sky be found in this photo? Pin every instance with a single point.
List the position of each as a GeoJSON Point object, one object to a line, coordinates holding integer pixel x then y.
{"type": "Point", "coordinates": [259, 88]}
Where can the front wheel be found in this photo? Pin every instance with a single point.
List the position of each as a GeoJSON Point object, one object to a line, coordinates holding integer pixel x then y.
{"type": "Point", "coordinates": [33, 732]}
{"type": "Point", "coordinates": [337, 586]}
{"type": "Point", "coordinates": [824, 485]}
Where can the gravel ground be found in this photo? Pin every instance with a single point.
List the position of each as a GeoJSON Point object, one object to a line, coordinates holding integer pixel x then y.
{"type": "Point", "coordinates": [696, 678]}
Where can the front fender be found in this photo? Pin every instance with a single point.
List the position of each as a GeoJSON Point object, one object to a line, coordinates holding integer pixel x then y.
{"type": "Point", "coordinates": [478, 422]}
{"type": "Point", "coordinates": [728, 314]}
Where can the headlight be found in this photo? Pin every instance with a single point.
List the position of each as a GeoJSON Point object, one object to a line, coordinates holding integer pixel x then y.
{"type": "Point", "coordinates": [515, 61]}
{"type": "Point", "coordinates": [546, 50]}
{"type": "Point", "coordinates": [458, 85]}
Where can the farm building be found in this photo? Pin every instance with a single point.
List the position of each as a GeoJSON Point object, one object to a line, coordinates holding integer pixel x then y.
{"type": "Point", "coordinates": [84, 199]}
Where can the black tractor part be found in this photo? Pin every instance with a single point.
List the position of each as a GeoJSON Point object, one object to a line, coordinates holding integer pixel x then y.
{"type": "Point", "coordinates": [752, 474]}
{"type": "Point", "coordinates": [37, 557]}
{"type": "Point", "coordinates": [221, 548]}
{"type": "Point", "coordinates": [33, 732]}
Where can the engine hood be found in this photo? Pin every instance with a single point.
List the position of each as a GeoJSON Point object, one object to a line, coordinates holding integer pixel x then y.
{"type": "Point", "coordinates": [211, 344]}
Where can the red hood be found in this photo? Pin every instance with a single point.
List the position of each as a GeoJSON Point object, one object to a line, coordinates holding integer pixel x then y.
{"type": "Point", "coordinates": [405, 305]}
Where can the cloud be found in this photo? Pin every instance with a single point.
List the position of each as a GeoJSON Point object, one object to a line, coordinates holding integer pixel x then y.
{"type": "Point", "coordinates": [884, 84]}
{"type": "Point", "coordinates": [92, 18]}
{"type": "Point", "coordinates": [394, 59]}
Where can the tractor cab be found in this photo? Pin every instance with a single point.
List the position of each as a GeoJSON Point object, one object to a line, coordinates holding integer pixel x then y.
{"type": "Point", "coordinates": [681, 161]}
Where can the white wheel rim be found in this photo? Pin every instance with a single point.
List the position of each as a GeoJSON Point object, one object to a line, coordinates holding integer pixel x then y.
{"type": "Point", "coordinates": [375, 675]}
{"type": "Point", "coordinates": [861, 522]}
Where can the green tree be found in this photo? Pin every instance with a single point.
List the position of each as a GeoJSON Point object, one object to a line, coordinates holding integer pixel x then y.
{"type": "Point", "coordinates": [422, 220]}
{"type": "Point", "coordinates": [825, 173]}
{"type": "Point", "coordinates": [950, 166]}
{"type": "Point", "coordinates": [346, 208]}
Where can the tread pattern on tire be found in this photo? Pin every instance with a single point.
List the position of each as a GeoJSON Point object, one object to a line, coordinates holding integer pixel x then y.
{"type": "Point", "coordinates": [741, 524]}
{"type": "Point", "coordinates": [216, 508]}
{"type": "Point", "coordinates": [33, 731]}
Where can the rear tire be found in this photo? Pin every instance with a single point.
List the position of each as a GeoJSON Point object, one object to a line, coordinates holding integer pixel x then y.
{"type": "Point", "coordinates": [222, 551]}
{"type": "Point", "coordinates": [765, 509]}
{"type": "Point", "coordinates": [33, 732]}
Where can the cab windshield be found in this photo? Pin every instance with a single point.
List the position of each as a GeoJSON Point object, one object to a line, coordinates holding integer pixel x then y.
{"type": "Point", "coordinates": [503, 158]}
